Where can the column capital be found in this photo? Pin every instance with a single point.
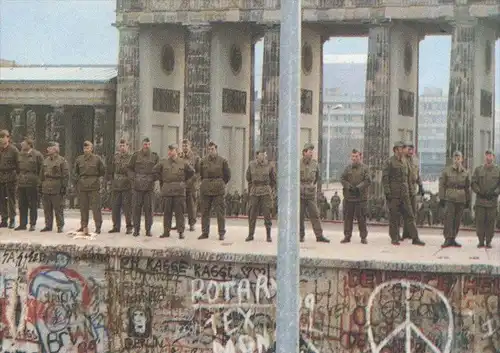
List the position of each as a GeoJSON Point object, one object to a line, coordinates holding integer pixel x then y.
{"type": "Point", "coordinates": [200, 27]}
{"type": "Point", "coordinates": [127, 26]}
{"type": "Point", "coordinates": [272, 27]}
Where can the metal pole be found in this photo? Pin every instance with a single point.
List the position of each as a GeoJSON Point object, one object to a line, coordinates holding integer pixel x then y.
{"type": "Point", "coordinates": [287, 313]}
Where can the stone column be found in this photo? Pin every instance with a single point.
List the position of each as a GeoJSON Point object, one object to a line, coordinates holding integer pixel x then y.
{"type": "Point", "coordinates": [127, 95]}
{"type": "Point", "coordinates": [4, 117]}
{"type": "Point", "coordinates": [197, 107]}
{"type": "Point", "coordinates": [55, 128]}
{"type": "Point", "coordinates": [18, 125]}
{"type": "Point", "coordinates": [31, 124]}
{"type": "Point", "coordinates": [269, 112]}
{"type": "Point", "coordinates": [100, 113]}
{"type": "Point", "coordinates": [459, 136]}
{"type": "Point", "coordinates": [376, 144]}
{"type": "Point", "coordinates": [321, 117]}
{"type": "Point", "coordinates": [251, 126]}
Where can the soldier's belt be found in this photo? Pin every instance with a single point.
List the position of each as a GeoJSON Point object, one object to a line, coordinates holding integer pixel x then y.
{"type": "Point", "coordinates": [457, 187]}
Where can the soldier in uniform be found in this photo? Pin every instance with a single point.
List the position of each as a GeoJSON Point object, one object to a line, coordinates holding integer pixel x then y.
{"type": "Point", "coordinates": [486, 184]}
{"type": "Point", "coordinates": [244, 202]}
{"type": "Point", "coordinates": [261, 178]}
{"type": "Point", "coordinates": [235, 203]}
{"type": "Point", "coordinates": [454, 194]}
{"type": "Point", "coordinates": [173, 173]}
{"type": "Point", "coordinates": [309, 175]}
{"type": "Point", "coordinates": [89, 169]}
{"type": "Point", "coordinates": [121, 186]}
{"type": "Point", "coordinates": [215, 174]}
{"type": "Point", "coordinates": [143, 179]}
{"type": "Point", "coordinates": [9, 169]}
{"type": "Point", "coordinates": [415, 181]}
{"type": "Point", "coordinates": [54, 178]}
{"type": "Point", "coordinates": [425, 212]}
{"type": "Point", "coordinates": [355, 182]}
{"type": "Point", "coordinates": [30, 165]}
{"type": "Point", "coordinates": [192, 184]}
{"type": "Point", "coordinates": [396, 184]}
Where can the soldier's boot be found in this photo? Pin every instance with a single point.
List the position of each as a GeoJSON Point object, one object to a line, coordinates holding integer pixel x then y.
{"type": "Point", "coordinates": [114, 230]}
{"type": "Point", "coordinates": [136, 233]}
{"type": "Point", "coordinates": [181, 235]}
{"type": "Point", "coordinates": [166, 234]}
{"type": "Point", "coordinates": [203, 236]}
{"type": "Point", "coordinates": [148, 233]}
{"type": "Point", "coordinates": [46, 229]}
{"type": "Point", "coordinates": [448, 243]}
{"type": "Point", "coordinates": [21, 228]}
{"type": "Point", "coordinates": [81, 229]}
{"type": "Point", "coordinates": [268, 235]}
{"type": "Point", "coordinates": [302, 238]}
{"type": "Point", "coordinates": [222, 235]}
{"type": "Point", "coordinates": [60, 229]}
{"type": "Point", "coordinates": [3, 224]}
{"type": "Point", "coordinates": [481, 244]}
{"type": "Point", "coordinates": [249, 238]}
{"type": "Point", "coordinates": [32, 228]}
{"type": "Point", "coordinates": [98, 229]}
{"type": "Point", "coordinates": [85, 230]}
{"type": "Point", "coordinates": [129, 230]}
{"type": "Point", "coordinates": [418, 242]}
{"type": "Point", "coordinates": [12, 224]}
{"type": "Point", "coordinates": [191, 227]}
{"type": "Point", "coordinates": [456, 244]}
{"type": "Point", "coordinates": [364, 241]}
{"type": "Point", "coordinates": [321, 239]}
{"type": "Point", "coordinates": [345, 240]}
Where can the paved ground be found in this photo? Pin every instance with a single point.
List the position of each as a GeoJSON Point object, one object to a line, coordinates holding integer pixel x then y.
{"type": "Point", "coordinates": [378, 249]}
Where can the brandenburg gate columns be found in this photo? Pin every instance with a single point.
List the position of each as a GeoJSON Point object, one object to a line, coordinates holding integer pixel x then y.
{"type": "Point", "coordinates": [391, 92]}
{"type": "Point", "coordinates": [470, 127]}
{"type": "Point", "coordinates": [230, 105]}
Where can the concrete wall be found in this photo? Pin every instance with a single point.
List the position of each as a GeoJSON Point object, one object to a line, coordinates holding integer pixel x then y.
{"type": "Point", "coordinates": [118, 300]}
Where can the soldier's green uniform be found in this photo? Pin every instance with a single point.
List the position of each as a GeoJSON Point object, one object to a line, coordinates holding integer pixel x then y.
{"type": "Point", "coordinates": [454, 191]}
{"type": "Point", "coordinates": [173, 174]}
{"type": "Point", "coordinates": [215, 174]}
{"type": "Point", "coordinates": [425, 212]}
{"type": "Point", "coordinates": [54, 178]}
{"type": "Point", "coordinates": [143, 179]}
{"type": "Point", "coordinates": [323, 205]}
{"type": "Point", "coordinates": [9, 169]}
{"type": "Point", "coordinates": [121, 192]}
{"type": "Point", "coordinates": [261, 178]}
{"type": "Point", "coordinates": [244, 203]}
{"type": "Point", "coordinates": [30, 166]}
{"type": "Point", "coordinates": [486, 184]}
{"type": "Point", "coordinates": [89, 169]}
{"type": "Point", "coordinates": [228, 201]}
{"type": "Point", "coordinates": [235, 203]}
{"type": "Point", "coordinates": [395, 182]}
{"type": "Point", "coordinates": [191, 186]}
{"type": "Point", "coordinates": [416, 187]}
{"type": "Point", "coordinates": [309, 175]}
{"type": "Point", "coordinates": [355, 182]}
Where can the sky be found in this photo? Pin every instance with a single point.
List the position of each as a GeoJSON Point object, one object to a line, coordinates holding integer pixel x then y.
{"type": "Point", "coordinates": [80, 32]}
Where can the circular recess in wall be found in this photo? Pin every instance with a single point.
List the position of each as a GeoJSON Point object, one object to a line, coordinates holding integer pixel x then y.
{"type": "Point", "coordinates": [235, 59]}
{"type": "Point", "coordinates": [408, 58]}
{"type": "Point", "coordinates": [307, 58]}
{"type": "Point", "coordinates": [488, 62]}
{"type": "Point", "coordinates": [168, 59]}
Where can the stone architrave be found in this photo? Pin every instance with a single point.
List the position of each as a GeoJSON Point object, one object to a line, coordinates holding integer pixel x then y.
{"type": "Point", "coordinates": [99, 126]}
{"type": "Point", "coordinates": [197, 86]}
{"type": "Point", "coordinates": [18, 124]}
{"type": "Point", "coordinates": [127, 96]}
{"type": "Point", "coordinates": [55, 128]}
{"type": "Point", "coordinates": [269, 113]}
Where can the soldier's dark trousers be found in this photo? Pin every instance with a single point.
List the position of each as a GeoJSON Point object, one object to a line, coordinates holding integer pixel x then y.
{"type": "Point", "coordinates": [191, 207]}
{"type": "Point", "coordinates": [262, 203]}
{"type": "Point", "coordinates": [358, 210]}
{"type": "Point", "coordinates": [142, 201]}
{"type": "Point", "coordinates": [8, 201]}
{"type": "Point", "coordinates": [90, 200]}
{"type": "Point", "coordinates": [485, 223]}
{"type": "Point", "coordinates": [122, 201]}
{"type": "Point", "coordinates": [53, 205]}
{"type": "Point", "coordinates": [217, 203]}
{"type": "Point", "coordinates": [452, 218]}
{"type": "Point", "coordinates": [28, 201]}
{"type": "Point", "coordinates": [335, 214]}
{"type": "Point", "coordinates": [174, 205]}
{"type": "Point", "coordinates": [309, 207]}
{"type": "Point", "coordinates": [398, 208]}
{"type": "Point", "coordinates": [413, 202]}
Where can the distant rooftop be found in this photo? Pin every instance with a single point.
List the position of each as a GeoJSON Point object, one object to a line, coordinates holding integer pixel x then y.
{"type": "Point", "coordinates": [52, 73]}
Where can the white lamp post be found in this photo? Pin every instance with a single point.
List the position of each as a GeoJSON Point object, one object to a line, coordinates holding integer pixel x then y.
{"type": "Point", "coordinates": [329, 142]}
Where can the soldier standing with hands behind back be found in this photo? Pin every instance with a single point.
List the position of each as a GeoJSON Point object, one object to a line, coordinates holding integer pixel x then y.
{"type": "Point", "coordinates": [486, 184]}
{"type": "Point", "coordinates": [89, 169]}
{"type": "Point", "coordinates": [122, 193]}
{"type": "Point", "coordinates": [454, 194]}
{"type": "Point", "coordinates": [143, 179]}
{"type": "Point", "coordinates": [9, 169]}
{"type": "Point", "coordinates": [355, 181]}
{"type": "Point", "coordinates": [173, 173]}
{"type": "Point", "coordinates": [215, 174]}
{"type": "Point", "coordinates": [309, 175]}
{"type": "Point", "coordinates": [261, 178]}
{"type": "Point", "coordinates": [54, 178]}
{"type": "Point", "coordinates": [30, 165]}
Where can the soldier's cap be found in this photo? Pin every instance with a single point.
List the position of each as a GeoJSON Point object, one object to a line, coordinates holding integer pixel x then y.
{"type": "Point", "coordinates": [457, 154]}
{"type": "Point", "coordinates": [146, 139]}
{"type": "Point", "coordinates": [399, 144]}
{"type": "Point", "coordinates": [260, 150]}
{"type": "Point", "coordinates": [489, 152]}
{"type": "Point", "coordinates": [52, 144]}
{"type": "Point", "coordinates": [186, 142]}
{"type": "Point", "coordinates": [172, 146]}
{"type": "Point", "coordinates": [123, 141]}
{"type": "Point", "coordinates": [410, 145]}
{"type": "Point", "coordinates": [87, 144]}
{"type": "Point", "coordinates": [308, 146]}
